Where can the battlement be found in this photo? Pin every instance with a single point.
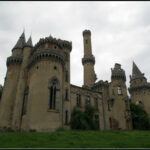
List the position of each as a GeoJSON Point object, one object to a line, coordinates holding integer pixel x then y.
{"type": "Point", "coordinates": [117, 72]}
{"type": "Point", "coordinates": [14, 60]}
{"type": "Point", "coordinates": [86, 32]}
{"type": "Point", "coordinates": [50, 40]}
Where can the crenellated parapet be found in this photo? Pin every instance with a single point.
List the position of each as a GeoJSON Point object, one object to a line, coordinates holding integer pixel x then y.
{"type": "Point", "coordinates": [47, 54]}
{"type": "Point", "coordinates": [100, 84]}
{"type": "Point", "coordinates": [139, 87]}
{"type": "Point", "coordinates": [86, 32]}
{"type": "Point", "coordinates": [118, 73]}
{"type": "Point", "coordinates": [50, 40]}
{"type": "Point", "coordinates": [90, 59]}
{"type": "Point", "coordinates": [14, 60]}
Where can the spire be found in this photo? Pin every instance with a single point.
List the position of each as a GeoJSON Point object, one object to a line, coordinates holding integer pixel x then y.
{"type": "Point", "coordinates": [29, 42]}
{"type": "Point", "coordinates": [136, 71]}
{"type": "Point", "coordinates": [20, 43]}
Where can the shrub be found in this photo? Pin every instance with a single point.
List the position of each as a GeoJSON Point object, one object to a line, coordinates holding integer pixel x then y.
{"type": "Point", "coordinates": [84, 120]}
{"type": "Point", "coordinates": [140, 118]}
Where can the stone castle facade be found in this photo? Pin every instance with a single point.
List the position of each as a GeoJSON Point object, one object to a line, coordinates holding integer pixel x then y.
{"type": "Point", "coordinates": [38, 95]}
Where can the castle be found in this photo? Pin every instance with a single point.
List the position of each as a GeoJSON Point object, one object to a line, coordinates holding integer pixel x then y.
{"type": "Point", "coordinates": [38, 95]}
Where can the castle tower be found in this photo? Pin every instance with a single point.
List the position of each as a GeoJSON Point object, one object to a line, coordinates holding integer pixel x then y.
{"type": "Point", "coordinates": [118, 99]}
{"type": "Point", "coordinates": [139, 88]}
{"type": "Point", "coordinates": [48, 85]}
{"type": "Point", "coordinates": [10, 84]}
{"type": "Point", "coordinates": [88, 60]}
{"type": "Point", "coordinates": [18, 116]}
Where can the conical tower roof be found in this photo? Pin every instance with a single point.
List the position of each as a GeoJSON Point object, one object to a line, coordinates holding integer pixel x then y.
{"type": "Point", "coordinates": [20, 43]}
{"type": "Point", "coordinates": [29, 42]}
{"type": "Point", "coordinates": [136, 73]}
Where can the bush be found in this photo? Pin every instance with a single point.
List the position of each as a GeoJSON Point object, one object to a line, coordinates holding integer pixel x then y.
{"type": "Point", "coordinates": [60, 129]}
{"type": "Point", "coordinates": [84, 120]}
{"type": "Point", "coordinates": [140, 118]}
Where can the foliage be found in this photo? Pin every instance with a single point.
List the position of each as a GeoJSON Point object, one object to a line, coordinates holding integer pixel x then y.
{"type": "Point", "coordinates": [1, 89]}
{"type": "Point", "coordinates": [60, 129]}
{"type": "Point", "coordinates": [140, 118]}
{"type": "Point", "coordinates": [84, 120]}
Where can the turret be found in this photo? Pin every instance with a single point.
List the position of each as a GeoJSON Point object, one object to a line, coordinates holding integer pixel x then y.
{"type": "Point", "coordinates": [117, 73]}
{"type": "Point", "coordinates": [18, 115]}
{"type": "Point", "coordinates": [88, 60]}
{"type": "Point", "coordinates": [139, 88]}
{"type": "Point", "coordinates": [10, 85]}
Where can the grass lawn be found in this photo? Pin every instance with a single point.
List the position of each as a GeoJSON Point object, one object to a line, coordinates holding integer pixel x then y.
{"type": "Point", "coordinates": [76, 139]}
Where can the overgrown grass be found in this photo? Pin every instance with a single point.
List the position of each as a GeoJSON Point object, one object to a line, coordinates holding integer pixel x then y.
{"type": "Point", "coordinates": [76, 139]}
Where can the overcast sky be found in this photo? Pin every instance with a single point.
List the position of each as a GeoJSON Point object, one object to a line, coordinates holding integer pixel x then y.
{"type": "Point", "coordinates": [120, 32]}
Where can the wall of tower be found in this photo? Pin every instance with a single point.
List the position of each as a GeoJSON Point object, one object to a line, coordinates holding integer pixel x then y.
{"type": "Point", "coordinates": [89, 74]}
{"type": "Point", "coordinates": [117, 105]}
{"type": "Point", "coordinates": [39, 116]}
{"type": "Point", "coordinates": [66, 82]}
{"type": "Point", "coordinates": [9, 95]}
{"type": "Point", "coordinates": [22, 84]}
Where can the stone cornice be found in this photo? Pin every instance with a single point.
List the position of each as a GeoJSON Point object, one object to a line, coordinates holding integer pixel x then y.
{"type": "Point", "coordinates": [60, 43]}
{"type": "Point", "coordinates": [139, 87]}
{"type": "Point", "coordinates": [90, 59]}
{"type": "Point", "coordinates": [14, 60]}
{"type": "Point", "coordinates": [47, 54]}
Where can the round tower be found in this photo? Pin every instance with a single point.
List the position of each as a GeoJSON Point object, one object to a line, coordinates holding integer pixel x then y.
{"type": "Point", "coordinates": [88, 60]}
{"type": "Point", "coordinates": [18, 116]}
{"type": "Point", "coordinates": [10, 84]}
{"type": "Point", "coordinates": [47, 66]}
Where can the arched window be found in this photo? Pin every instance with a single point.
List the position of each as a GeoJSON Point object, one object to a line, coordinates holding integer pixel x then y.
{"type": "Point", "coordinates": [66, 76]}
{"type": "Point", "coordinates": [119, 90]}
{"type": "Point", "coordinates": [54, 94]}
{"type": "Point", "coordinates": [25, 99]}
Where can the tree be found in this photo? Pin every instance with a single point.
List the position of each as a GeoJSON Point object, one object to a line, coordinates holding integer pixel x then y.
{"type": "Point", "coordinates": [84, 120]}
{"type": "Point", "coordinates": [1, 89]}
{"type": "Point", "coordinates": [140, 118]}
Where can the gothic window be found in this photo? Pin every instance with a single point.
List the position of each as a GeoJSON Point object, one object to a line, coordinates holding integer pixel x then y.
{"type": "Point", "coordinates": [66, 76]}
{"type": "Point", "coordinates": [66, 94]}
{"type": "Point", "coordinates": [108, 106]}
{"type": "Point", "coordinates": [110, 122]}
{"type": "Point", "coordinates": [54, 89]}
{"type": "Point", "coordinates": [87, 100]}
{"type": "Point", "coordinates": [96, 102]}
{"type": "Point", "coordinates": [25, 98]}
{"type": "Point", "coordinates": [78, 100]}
{"type": "Point", "coordinates": [119, 90]}
{"type": "Point", "coordinates": [66, 117]}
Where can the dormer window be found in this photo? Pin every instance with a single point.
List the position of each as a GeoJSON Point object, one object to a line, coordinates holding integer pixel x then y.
{"type": "Point", "coordinates": [119, 90]}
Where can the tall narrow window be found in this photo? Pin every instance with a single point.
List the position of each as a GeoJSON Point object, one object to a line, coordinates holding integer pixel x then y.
{"type": "Point", "coordinates": [66, 117]}
{"type": "Point", "coordinates": [25, 98]}
{"type": "Point", "coordinates": [96, 102]}
{"type": "Point", "coordinates": [78, 100]}
{"type": "Point", "coordinates": [110, 122]}
{"type": "Point", "coordinates": [66, 76]}
{"type": "Point", "coordinates": [119, 90]}
{"type": "Point", "coordinates": [66, 94]}
{"type": "Point", "coordinates": [53, 93]}
{"type": "Point", "coordinates": [87, 99]}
